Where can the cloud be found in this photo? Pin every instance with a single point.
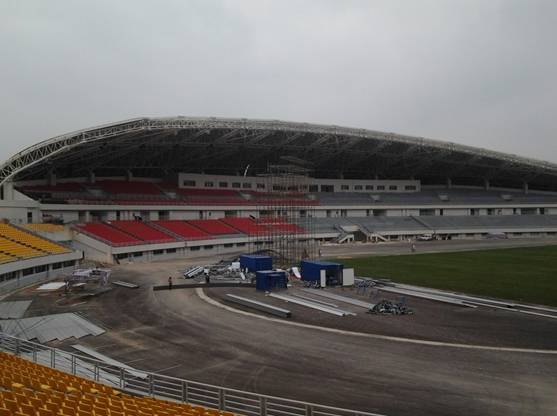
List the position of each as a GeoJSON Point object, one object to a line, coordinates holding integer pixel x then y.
{"type": "Point", "coordinates": [474, 72]}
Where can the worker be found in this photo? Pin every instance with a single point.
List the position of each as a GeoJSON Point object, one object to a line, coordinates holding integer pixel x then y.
{"type": "Point", "coordinates": [169, 282]}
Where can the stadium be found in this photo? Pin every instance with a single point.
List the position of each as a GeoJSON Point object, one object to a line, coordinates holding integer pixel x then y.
{"type": "Point", "coordinates": [119, 213]}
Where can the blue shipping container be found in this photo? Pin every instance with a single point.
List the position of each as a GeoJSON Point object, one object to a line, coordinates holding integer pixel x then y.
{"type": "Point", "coordinates": [269, 279]}
{"type": "Point", "coordinates": [311, 271]}
{"type": "Point", "coordinates": [255, 263]}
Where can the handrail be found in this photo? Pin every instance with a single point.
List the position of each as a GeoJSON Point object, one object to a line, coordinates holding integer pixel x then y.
{"type": "Point", "coordinates": [167, 387]}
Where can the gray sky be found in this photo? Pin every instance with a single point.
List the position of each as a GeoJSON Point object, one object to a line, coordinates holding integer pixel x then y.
{"type": "Point", "coordinates": [482, 73]}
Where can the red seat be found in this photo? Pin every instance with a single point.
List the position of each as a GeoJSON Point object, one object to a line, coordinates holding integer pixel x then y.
{"type": "Point", "coordinates": [142, 231]}
{"type": "Point", "coordinates": [183, 229]}
{"type": "Point", "coordinates": [108, 234]}
{"type": "Point", "coordinates": [213, 227]}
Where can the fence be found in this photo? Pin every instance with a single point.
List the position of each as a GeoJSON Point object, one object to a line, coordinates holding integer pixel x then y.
{"type": "Point", "coordinates": [165, 387]}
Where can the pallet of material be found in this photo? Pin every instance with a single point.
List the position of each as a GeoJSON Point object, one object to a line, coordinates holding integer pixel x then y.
{"type": "Point", "coordinates": [328, 295]}
{"type": "Point", "coordinates": [260, 306]}
{"type": "Point", "coordinates": [125, 284]}
{"type": "Point", "coordinates": [313, 305]}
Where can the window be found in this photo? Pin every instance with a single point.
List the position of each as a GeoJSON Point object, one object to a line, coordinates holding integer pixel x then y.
{"type": "Point", "coordinates": [542, 211]}
{"type": "Point", "coordinates": [240, 244]}
{"type": "Point", "coordinates": [393, 187]}
{"type": "Point", "coordinates": [209, 184]}
{"type": "Point", "coordinates": [171, 250]}
{"type": "Point", "coordinates": [69, 263]}
{"type": "Point", "coordinates": [314, 188]}
{"type": "Point", "coordinates": [188, 182]}
{"type": "Point", "coordinates": [207, 247]}
{"type": "Point", "coordinates": [223, 184]}
{"type": "Point", "coordinates": [380, 187]}
{"type": "Point", "coordinates": [195, 248]}
{"type": "Point", "coordinates": [327, 188]}
{"type": "Point", "coordinates": [344, 187]}
{"type": "Point", "coordinates": [157, 252]}
{"type": "Point", "coordinates": [228, 245]}
{"type": "Point", "coordinates": [121, 256]}
{"type": "Point", "coordinates": [236, 184]}
{"type": "Point", "coordinates": [40, 269]}
{"type": "Point", "coordinates": [369, 187]}
{"type": "Point", "coordinates": [410, 188]}
{"type": "Point", "coordinates": [260, 186]}
{"type": "Point", "coordinates": [7, 276]}
{"type": "Point", "coordinates": [358, 187]}
{"type": "Point", "coordinates": [57, 266]}
{"type": "Point", "coordinates": [27, 272]}
{"type": "Point", "coordinates": [246, 185]}
{"type": "Point", "coordinates": [29, 216]}
{"type": "Point", "coordinates": [138, 254]}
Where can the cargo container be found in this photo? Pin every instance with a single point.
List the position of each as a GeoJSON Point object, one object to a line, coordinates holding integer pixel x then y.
{"type": "Point", "coordinates": [254, 263]}
{"type": "Point", "coordinates": [269, 280]}
{"type": "Point", "coordinates": [311, 271]}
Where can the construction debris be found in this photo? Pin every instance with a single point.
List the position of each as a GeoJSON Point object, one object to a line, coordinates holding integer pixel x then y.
{"type": "Point", "coordinates": [386, 307]}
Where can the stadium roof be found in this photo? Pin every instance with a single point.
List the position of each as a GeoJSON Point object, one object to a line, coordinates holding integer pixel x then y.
{"type": "Point", "coordinates": [161, 147]}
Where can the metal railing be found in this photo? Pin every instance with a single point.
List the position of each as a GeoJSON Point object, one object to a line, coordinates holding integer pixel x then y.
{"type": "Point", "coordinates": [169, 388]}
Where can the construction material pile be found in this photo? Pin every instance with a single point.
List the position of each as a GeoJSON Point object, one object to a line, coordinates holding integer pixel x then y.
{"type": "Point", "coordinates": [386, 307]}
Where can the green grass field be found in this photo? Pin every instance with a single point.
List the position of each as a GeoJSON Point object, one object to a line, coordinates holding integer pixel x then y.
{"type": "Point", "coordinates": [521, 274]}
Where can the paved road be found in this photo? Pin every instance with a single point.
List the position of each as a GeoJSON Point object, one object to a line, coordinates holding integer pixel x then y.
{"type": "Point", "coordinates": [182, 335]}
{"type": "Point", "coordinates": [370, 249]}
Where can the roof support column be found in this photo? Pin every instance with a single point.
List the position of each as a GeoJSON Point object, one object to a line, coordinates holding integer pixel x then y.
{"type": "Point", "coordinates": [51, 177]}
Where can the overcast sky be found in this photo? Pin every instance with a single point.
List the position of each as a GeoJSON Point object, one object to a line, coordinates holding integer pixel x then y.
{"type": "Point", "coordinates": [482, 73]}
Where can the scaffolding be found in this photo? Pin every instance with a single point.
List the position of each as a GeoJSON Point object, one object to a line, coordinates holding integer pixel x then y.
{"type": "Point", "coordinates": [285, 222]}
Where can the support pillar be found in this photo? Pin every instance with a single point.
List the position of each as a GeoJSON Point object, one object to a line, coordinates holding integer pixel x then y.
{"type": "Point", "coordinates": [52, 177]}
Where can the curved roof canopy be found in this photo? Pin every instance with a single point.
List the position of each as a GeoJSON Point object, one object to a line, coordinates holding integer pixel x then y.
{"type": "Point", "coordinates": [160, 147]}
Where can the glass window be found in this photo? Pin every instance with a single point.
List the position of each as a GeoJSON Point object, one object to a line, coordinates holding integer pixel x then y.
{"type": "Point", "coordinates": [209, 184]}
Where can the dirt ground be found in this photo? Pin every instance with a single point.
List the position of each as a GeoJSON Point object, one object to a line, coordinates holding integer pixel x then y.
{"type": "Point", "coordinates": [177, 333]}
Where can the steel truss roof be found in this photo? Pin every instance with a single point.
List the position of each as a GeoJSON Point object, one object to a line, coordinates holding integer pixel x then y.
{"type": "Point", "coordinates": [159, 146]}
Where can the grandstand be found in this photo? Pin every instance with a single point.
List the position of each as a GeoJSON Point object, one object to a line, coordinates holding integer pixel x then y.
{"type": "Point", "coordinates": [34, 390]}
{"type": "Point", "coordinates": [203, 193]}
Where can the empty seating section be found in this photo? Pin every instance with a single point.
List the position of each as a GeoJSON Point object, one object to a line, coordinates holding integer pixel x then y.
{"type": "Point", "coordinates": [60, 187]}
{"type": "Point", "coordinates": [109, 234]}
{"type": "Point", "coordinates": [279, 225]}
{"type": "Point", "coordinates": [211, 197]}
{"type": "Point", "coordinates": [213, 227]}
{"type": "Point", "coordinates": [129, 187]}
{"type": "Point", "coordinates": [183, 229]}
{"type": "Point", "coordinates": [29, 389]}
{"type": "Point", "coordinates": [246, 225]}
{"type": "Point", "coordinates": [18, 250]}
{"type": "Point", "coordinates": [142, 231]}
{"type": "Point", "coordinates": [16, 244]}
{"type": "Point", "coordinates": [45, 228]}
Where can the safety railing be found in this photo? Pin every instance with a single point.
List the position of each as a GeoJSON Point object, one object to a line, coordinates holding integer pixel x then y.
{"type": "Point", "coordinates": [169, 388]}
